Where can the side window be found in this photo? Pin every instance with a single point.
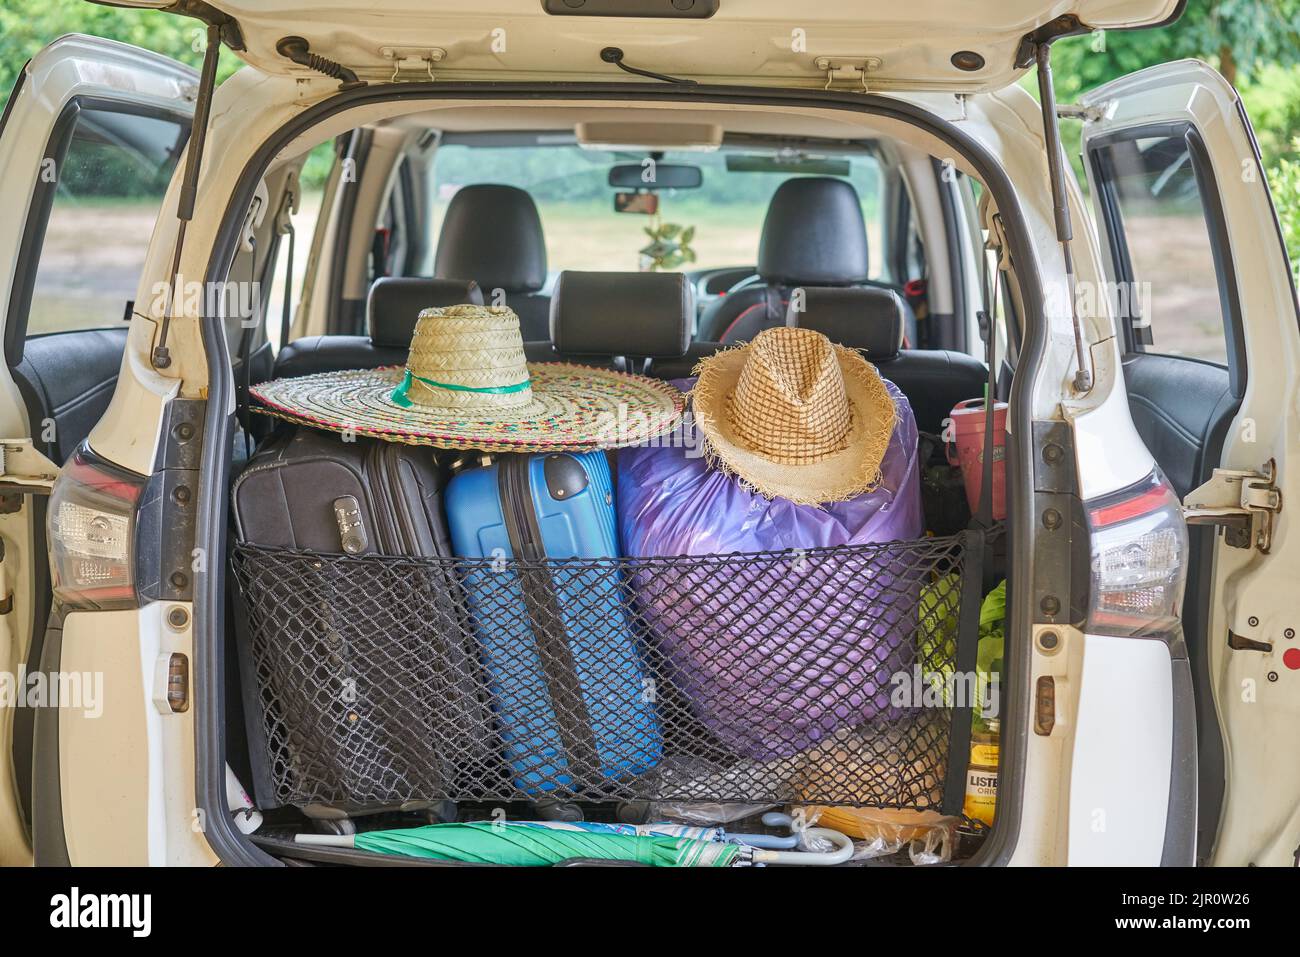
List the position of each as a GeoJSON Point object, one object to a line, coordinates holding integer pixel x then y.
{"type": "Point", "coordinates": [312, 180]}
{"type": "Point", "coordinates": [102, 185]}
{"type": "Point", "coordinates": [390, 249]}
{"type": "Point", "coordinates": [1173, 294]}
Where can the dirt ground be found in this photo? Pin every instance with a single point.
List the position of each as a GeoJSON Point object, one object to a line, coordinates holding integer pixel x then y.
{"type": "Point", "coordinates": [1173, 255]}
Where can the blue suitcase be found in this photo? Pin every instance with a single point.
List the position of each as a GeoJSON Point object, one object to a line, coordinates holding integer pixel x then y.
{"type": "Point", "coordinates": [566, 679]}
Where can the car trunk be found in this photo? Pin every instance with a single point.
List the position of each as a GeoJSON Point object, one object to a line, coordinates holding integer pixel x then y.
{"type": "Point", "coordinates": [390, 691]}
{"type": "Point", "coordinates": [367, 691]}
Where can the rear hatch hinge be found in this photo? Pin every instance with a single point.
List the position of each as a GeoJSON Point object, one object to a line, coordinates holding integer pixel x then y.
{"type": "Point", "coordinates": [1242, 502]}
{"type": "Point", "coordinates": [847, 73]}
{"type": "Point", "coordinates": [1088, 114]}
{"type": "Point", "coordinates": [24, 469]}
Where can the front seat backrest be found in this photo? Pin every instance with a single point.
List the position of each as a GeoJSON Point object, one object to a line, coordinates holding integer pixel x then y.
{"type": "Point", "coordinates": [493, 235]}
{"type": "Point", "coordinates": [813, 235]}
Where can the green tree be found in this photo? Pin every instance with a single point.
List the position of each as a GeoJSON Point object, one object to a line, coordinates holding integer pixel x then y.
{"type": "Point", "coordinates": [1240, 37]}
{"type": "Point", "coordinates": [1284, 178]}
{"type": "Point", "coordinates": [26, 27]}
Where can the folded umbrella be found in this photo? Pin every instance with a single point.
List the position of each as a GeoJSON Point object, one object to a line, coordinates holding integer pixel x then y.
{"type": "Point", "coordinates": [522, 845]}
{"type": "Point", "coordinates": [540, 844]}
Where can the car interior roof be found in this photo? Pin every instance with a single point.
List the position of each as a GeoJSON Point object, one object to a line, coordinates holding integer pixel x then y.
{"type": "Point", "coordinates": [515, 120]}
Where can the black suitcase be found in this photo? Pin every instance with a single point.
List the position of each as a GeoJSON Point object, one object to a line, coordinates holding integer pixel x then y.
{"type": "Point", "coordinates": [360, 685]}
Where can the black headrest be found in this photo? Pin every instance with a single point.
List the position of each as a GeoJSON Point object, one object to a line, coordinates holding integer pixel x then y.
{"type": "Point", "coordinates": [814, 234]}
{"type": "Point", "coordinates": [642, 314]}
{"type": "Point", "coordinates": [868, 318]}
{"type": "Point", "coordinates": [493, 235]}
{"type": "Point", "coordinates": [396, 301]}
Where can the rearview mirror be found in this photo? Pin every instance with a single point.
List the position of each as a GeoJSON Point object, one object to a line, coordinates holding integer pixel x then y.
{"type": "Point", "coordinates": [646, 204]}
{"type": "Point", "coordinates": [652, 175]}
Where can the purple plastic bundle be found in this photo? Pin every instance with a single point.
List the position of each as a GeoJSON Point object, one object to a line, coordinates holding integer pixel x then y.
{"type": "Point", "coordinates": [778, 652]}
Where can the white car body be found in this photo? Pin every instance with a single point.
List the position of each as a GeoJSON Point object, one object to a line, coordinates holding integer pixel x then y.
{"type": "Point", "coordinates": [129, 778]}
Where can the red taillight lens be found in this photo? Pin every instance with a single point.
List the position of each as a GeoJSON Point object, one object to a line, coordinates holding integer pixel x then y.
{"type": "Point", "coordinates": [1139, 560]}
{"type": "Point", "coordinates": [92, 533]}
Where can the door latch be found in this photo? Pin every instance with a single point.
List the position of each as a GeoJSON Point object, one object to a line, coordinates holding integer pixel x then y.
{"type": "Point", "coordinates": [847, 72]}
{"type": "Point", "coordinates": [411, 63]}
{"type": "Point", "coordinates": [1242, 502]}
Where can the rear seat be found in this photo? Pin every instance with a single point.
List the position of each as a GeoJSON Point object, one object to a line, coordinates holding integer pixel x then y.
{"type": "Point", "coordinates": [872, 321]}
{"type": "Point", "coordinates": [392, 310]}
{"type": "Point", "coordinates": [623, 320]}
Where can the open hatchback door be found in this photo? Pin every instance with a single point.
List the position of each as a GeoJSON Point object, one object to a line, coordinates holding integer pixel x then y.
{"type": "Point", "coordinates": [1176, 173]}
{"type": "Point", "coordinates": [876, 44]}
{"type": "Point", "coordinates": [89, 120]}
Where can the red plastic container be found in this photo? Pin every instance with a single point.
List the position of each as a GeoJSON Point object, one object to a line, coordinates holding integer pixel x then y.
{"type": "Point", "coordinates": [967, 436]}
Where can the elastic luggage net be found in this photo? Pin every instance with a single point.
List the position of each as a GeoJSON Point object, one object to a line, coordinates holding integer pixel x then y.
{"type": "Point", "coordinates": [825, 676]}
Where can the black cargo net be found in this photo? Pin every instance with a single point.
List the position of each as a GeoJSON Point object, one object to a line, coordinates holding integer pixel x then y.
{"type": "Point", "coordinates": [801, 677]}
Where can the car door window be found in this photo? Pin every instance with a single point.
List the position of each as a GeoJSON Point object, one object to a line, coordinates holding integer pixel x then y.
{"type": "Point", "coordinates": [104, 180]}
{"type": "Point", "coordinates": [1172, 295]}
{"type": "Point", "coordinates": [104, 171]}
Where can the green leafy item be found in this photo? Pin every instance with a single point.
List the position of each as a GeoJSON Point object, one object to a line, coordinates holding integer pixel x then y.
{"type": "Point", "coordinates": [940, 608]}
{"type": "Point", "coordinates": [670, 246]}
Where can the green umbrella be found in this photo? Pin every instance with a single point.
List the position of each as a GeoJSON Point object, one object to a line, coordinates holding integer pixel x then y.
{"type": "Point", "coordinates": [491, 842]}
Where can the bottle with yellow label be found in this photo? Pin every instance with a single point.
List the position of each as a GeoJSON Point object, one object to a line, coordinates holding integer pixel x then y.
{"type": "Point", "coordinates": [982, 775]}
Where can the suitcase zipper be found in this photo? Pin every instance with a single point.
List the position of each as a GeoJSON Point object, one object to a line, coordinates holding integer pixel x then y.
{"type": "Point", "coordinates": [546, 617]}
{"type": "Point", "coordinates": [386, 504]}
{"type": "Point", "coordinates": [517, 507]}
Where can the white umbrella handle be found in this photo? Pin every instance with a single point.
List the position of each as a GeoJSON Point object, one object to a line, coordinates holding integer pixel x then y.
{"type": "Point", "coordinates": [843, 850]}
{"type": "Point", "coordinates": [326, 840]}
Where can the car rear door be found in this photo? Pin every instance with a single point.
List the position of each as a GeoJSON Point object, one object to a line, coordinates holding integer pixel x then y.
{"type": "Point", "coordinates": [1208, 313]}
{"type": "Point", "coordinates": [90, 137]}
{"type": "Point", "coordinates": [972, 46]}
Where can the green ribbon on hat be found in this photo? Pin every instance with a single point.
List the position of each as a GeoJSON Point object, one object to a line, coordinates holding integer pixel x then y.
{"type": "Point", "coordinates": [400, 397]}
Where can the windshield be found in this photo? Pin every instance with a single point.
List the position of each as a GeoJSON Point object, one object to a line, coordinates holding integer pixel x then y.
{"type": "Point", "coordinates": [720, 220]}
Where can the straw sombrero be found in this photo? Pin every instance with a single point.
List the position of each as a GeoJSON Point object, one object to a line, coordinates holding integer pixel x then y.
{"type": "Point", "coordinates": [466, 385]}
{"type": "Point", "coordinates": [794, 416]}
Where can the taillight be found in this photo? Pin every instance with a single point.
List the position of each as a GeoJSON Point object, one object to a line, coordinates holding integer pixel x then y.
{"type": "Point", "coordinates": [1139, 560]}
{"type": "Point", "coordinates": [92, 533]}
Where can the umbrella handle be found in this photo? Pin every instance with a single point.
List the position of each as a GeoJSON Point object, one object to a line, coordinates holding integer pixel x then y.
{"type": "Point", "coordinates": [326, 840]}
{"type": "Point", "coordinates": [842, 853]}
{"type": "Point", "coordinates": [769, 841]}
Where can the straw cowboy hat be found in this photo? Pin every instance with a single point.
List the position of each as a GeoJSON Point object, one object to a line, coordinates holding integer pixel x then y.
{"type": "Point", "coordinates": [466, 385]}
{"type": "Point", "coordinates": [794, 416]}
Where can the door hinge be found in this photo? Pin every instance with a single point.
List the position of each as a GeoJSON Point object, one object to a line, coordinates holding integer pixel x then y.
{"type": "Point", "coordinates": [847, 72]}
{"type": "Point", "coordinates": [413, 64]}
{"type": "Point", "coordinates": [24, 469]}
{"type": "Point", "coordinates": [1074, 111]}
{"type": "Point", "coordinates": [1242, 501]}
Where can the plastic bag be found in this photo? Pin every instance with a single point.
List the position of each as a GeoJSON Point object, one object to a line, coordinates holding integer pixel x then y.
{"type": "Point", "coordinates": [879, 832]}
{"type": "Point", "coordinates": [739, 650]}
{"type": "Point", "coordinates": [705, 814]}
{"type": "Point", "coordinates": [670, 502]}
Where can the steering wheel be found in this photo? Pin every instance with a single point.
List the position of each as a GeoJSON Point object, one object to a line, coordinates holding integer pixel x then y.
{"type": "Point", "coordinates": [745, 283]}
